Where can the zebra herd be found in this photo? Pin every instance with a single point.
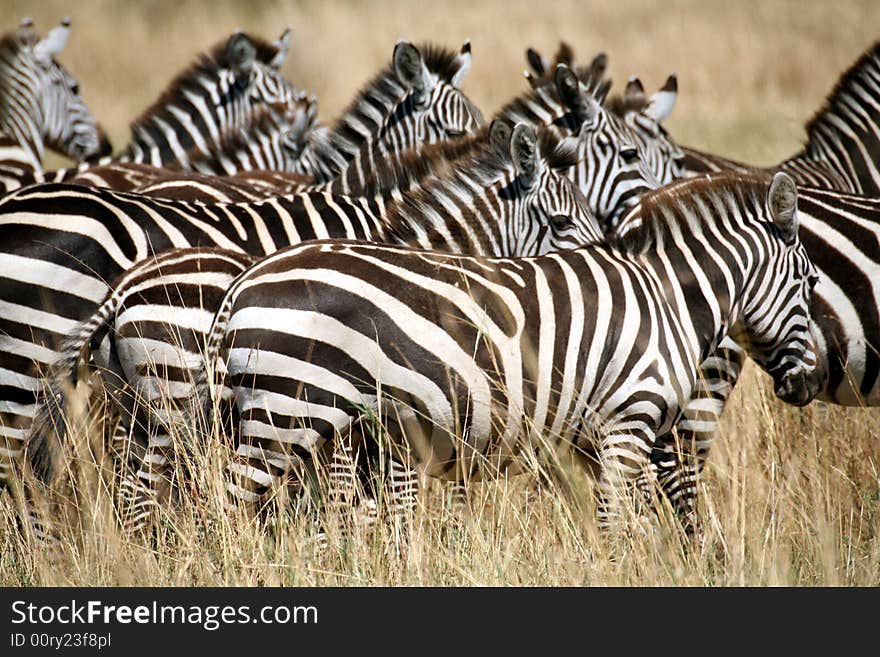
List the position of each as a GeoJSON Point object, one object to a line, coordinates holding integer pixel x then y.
{"type": "Point", "coordinates": [561, 276]}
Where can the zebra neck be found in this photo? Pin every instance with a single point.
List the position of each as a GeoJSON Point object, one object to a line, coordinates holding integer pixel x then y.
{"type": "Point", "coordinates": [359, 130]}
{"type": "Point", "coordinates": [458, 215]}
{"type": "Point", "coordinates": [540, 106]}
{"type": "Point", "coordinates": [20, 164]}
{"type": "Point", "coordinates": [706, 295]}
{"type": "Point", "coordinates": [185, 121]}
{"type": "Point", "coordinates": [21, 137]}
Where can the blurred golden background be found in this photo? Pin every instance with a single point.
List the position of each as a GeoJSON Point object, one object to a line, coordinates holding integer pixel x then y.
{"type": "Point", "coordinates": [750, 73]}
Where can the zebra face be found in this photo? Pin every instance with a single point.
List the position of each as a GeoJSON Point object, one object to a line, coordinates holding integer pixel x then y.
{"type": "Point", "coordinates": [644, 117]}
{"type": "Point", "coordinates": [776, 324]}
{"type": "Point", "coordinates": [66, 124]}
{"type": "Point", "coordinates": [435, 105]}
{"type": "Point", "coordinates": [250, 80]}
{"type": "Point", "coordinates": [611, 170]}
{"type": "Point", "coordinates": [550, 213]}
{"type": "Point", "coordinates": [663, 156]}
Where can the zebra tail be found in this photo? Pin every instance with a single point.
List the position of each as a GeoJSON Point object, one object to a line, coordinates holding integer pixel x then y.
{"type": "Point", "coordinates": [208, 383]}
{"type": "Point", "coordinates": [50, 427]}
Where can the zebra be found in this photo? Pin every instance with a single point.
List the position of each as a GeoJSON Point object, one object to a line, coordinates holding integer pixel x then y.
{"type": "Point", "coordinates": [440, 214]}
{"type": "Point", "coordinates": [40, 106]}
{"type": "Point", "coordinates": [415, 100]}
{"type": "Point", "coordinates": [616, 162]}
{"type": "Point", "coordinates": [839, 229]}
{"type": "Point", "coordinates": [473, 362]}
{"type": "Point", "coordinates": [215, 96]}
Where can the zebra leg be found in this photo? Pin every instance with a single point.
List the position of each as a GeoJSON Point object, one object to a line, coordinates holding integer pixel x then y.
{"type": "Point", "coordinates": [146, 482]}
{"type": "Point", "coordinates": [679, 456]}
{"type": "Point", "coordinates": [624, 471]}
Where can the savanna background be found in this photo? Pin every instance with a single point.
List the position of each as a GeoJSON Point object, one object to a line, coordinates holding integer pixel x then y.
{"type": "Point", "coordinates": [789, 497]}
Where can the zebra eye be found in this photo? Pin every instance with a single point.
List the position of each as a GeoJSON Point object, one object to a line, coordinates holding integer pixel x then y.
{"type": "Point", "coordinates": [561, 221]}
{"type": "Point", "coordinates": [74, 88]}
{"type": "Point", "coordinates": [629, 155]}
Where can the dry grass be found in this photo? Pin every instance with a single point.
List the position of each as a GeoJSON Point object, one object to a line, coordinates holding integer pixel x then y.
{"type": "Point", "coordinates": [790, 497]}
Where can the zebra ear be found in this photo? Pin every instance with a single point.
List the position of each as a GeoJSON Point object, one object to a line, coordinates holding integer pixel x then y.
{"type": "Point", "coordinates": [634, 93]}
{"type": "Point", "coordinates": [524, 153]}
{"type": "Point", "coordinates": [499, 136]}
{"type": "Point", "coordinates": [601, 91]}
{"type": "Point", "coordinates": [463, 59]}
{"type": "Point", "coordinates": [538, 64]}
{"type": "Point", "coordinates": [241, 54]}
{"type": "Point", "coordinates": [283, 45]}
{"type": "Point", "coordinates": [565, 54]}
{"type": "Point", "coordinates": [410, 67]}
{"type": "Point", "coordinates": [26, 33]}
{"type": "Point", "coordinates": [663, 102]}
{"type": "Point", "coordinates": [598, 66]}
{"type": "Point", "coordinates": [569, 89]}
{"type": "Point", "coordinates": [782, 201]}
{"type": "Point", "coordinates": [52, 44]}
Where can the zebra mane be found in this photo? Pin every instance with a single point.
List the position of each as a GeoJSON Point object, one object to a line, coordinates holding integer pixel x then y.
{"type": "Point", "coordinates": [520, 108]}
{"type": "Point", "coordinates": [869, 61]}
{"type": "Point", "coordinates": [659, 210]}
{"type": "Point", "coordinates": [482, 165]}
{"type": "Point", "coordinates": [439, 60]}
{"type": "Point", "coordinates": [205, 65]}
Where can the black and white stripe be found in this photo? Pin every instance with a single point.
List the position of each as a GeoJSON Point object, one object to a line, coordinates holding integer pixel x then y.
{"type": "Point", "coordinates": [479, 360]}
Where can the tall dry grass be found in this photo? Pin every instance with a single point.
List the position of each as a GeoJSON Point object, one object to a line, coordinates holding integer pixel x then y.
{"type": "Point", "coordinates": [790, 496]}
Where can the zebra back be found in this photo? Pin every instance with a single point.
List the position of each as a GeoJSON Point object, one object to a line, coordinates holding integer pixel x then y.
{"type": "Point", "coordinates": [843, 138]}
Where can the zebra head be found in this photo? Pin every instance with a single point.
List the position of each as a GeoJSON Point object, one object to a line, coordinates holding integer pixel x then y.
{"type": "Point", "coordinates": [611, 168]}
{"type": "Point", "coordinates": [548, 212]}
{"type": "Point", "coordinates": [436, 106]}
{"type": "Point", "coordinates": [38, 90]}
{"type": "Point", "coordinates": [250, 76]}
{"type": "Point", "coordinates": [775, 324]}
{"type": "Point", "coordinates": [645, 116]}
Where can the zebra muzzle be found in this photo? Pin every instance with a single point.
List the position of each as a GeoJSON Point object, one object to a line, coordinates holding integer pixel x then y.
{"type": "Point", "coordinates": [799, 387]}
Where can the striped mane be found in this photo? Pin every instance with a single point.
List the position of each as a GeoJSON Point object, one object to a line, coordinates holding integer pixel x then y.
{"type": "Point", "coordinates": [661, 209]}
{"type": "Point", "coordinates": [206, 65]}
{"type": "Point", "coordinates": [520, 108]}
{"type": "Point", "coordinates": [867, 64]}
